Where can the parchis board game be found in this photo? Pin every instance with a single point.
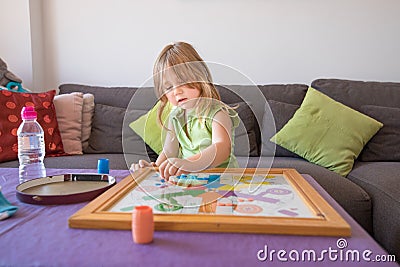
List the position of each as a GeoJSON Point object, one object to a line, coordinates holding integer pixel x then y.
{"type": "Point", "coordinates": [214, 193]}
{"type": "Point", "coordinates": [235, 200]}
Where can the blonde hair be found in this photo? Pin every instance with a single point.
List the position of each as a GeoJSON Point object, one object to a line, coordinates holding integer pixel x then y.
{"type": "Point", "coordinates": [189, 68]}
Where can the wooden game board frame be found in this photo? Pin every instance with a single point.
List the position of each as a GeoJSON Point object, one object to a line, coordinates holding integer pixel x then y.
{"type": "Point", "coordinates": [327, 221]}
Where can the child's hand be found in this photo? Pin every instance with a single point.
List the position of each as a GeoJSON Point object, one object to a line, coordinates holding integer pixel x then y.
{"type": "Point", "coordinates": [174, 167]}
{"type": "Point", "coordinates": [142, 164]}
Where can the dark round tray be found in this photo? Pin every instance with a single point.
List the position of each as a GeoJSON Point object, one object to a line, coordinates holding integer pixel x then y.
{"type": "Point", "coordinates": [64, 189]}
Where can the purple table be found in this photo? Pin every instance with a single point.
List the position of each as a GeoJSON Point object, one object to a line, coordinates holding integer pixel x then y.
{"type": "Point", "coordinates": [40, 236]}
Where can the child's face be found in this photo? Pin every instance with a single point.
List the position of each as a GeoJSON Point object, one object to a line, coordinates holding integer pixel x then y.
{"type": "Point", "coordinates": [178, 93]}
{"type": "Point", "coordinates": [183, 96]}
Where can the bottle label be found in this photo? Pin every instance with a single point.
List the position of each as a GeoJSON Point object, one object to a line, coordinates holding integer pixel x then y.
{"type": "Point", "coordinates": [28, 142]}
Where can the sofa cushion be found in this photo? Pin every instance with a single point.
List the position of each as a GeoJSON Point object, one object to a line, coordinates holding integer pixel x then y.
{"type": "Point", "coordinates": [385, 145]}
{"type": "Point", "coordinates": [381, 181]}
{"type": "Point", "coordinates": [275, 117]}
{"type": "Point", "coordinates": [348, 194]}
{"type": "Point", "coordinates": [286, 93]}
{"type": "Point", "coordinates": [245, 143]}
{"type": "Point", "coordinates": [108, 131]}
{"type": "Point", "coordinates": [258, 96]}
{"type": "Point", "coordinates": [327, 132]}
{"type": "Point", "coordinates": [11, 104]}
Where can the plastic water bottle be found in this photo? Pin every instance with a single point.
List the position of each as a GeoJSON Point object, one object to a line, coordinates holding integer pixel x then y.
{"type": "Point", "coordinates": [31, 147]}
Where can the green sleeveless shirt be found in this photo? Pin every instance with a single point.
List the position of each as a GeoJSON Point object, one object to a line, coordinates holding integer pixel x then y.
{"type": "Point", "coordinates": [198, 133]}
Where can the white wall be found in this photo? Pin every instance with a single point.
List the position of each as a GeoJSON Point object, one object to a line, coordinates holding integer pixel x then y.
{"type": "Point", "coordinates": [15, 40]}
{"type": "Point", "coordinates": [105, 42]}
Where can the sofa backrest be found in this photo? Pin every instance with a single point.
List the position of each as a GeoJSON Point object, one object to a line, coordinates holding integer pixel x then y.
{"type": "Point", "coordinates": [359, 93]}
{"type": "Point", "coordinates": [112, 103]}
{"type": "Point", "coordinates": [283, 100]}
{"type": "Point", "coordinates": [121, 96]}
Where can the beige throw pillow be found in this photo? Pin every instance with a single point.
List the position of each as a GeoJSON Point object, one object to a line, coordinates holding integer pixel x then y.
{"type": "Point", "coordinates": [87, 116]}
{"type": "Point", "coordinates": [69, 117]}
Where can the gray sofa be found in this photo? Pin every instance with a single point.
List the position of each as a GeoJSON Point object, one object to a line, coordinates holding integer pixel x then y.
{"type": "Point", "coordinates": [370, 193]}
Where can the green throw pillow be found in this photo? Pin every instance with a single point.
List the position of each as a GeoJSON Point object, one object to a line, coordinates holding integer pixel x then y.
{"type": "Point", "coordinates": [326, 132]}
{"type": "Point", "coordinates": [149, 130]}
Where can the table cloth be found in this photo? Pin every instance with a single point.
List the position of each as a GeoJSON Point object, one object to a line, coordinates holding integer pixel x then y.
{"type": "Point", "coordinates": [39, 236]}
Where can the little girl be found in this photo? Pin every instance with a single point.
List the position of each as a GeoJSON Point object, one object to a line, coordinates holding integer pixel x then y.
{"type": "Point", "coordinates": [200, 127]}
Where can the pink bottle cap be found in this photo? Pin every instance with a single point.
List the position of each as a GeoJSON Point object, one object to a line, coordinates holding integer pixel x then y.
{"type": "Point", "coordinates": [28, 113]}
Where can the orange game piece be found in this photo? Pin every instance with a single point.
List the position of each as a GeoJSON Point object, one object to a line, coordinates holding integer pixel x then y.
{"type": "Point", "coordinates": [142, 224]}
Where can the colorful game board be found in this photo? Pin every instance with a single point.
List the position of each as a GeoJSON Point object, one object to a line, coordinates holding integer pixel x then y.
{"type": "Point", "coordinates": [216, 193]}
{"type": "Point", "coordinates": [270, 201]}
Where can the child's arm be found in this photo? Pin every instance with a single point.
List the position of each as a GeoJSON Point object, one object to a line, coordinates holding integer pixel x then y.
{"type": "Point", "coordinates": [212, 156]}
{"type": "Point", "coordinates": [170, 148]}
{"type": "Point", "coordinates": [220, 148]}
